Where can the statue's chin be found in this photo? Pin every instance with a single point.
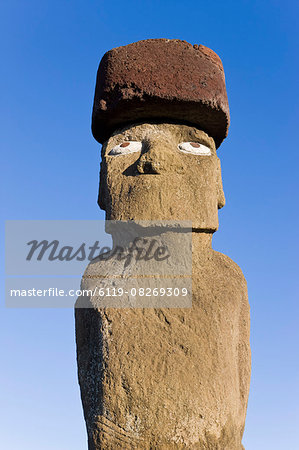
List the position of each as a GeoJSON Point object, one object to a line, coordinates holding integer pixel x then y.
{"type": "Point", "coordinates": [146, 217]}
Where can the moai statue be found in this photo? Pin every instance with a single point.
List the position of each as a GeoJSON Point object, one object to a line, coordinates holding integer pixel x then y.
{"type": "Point", "coordinates": [165, 378]}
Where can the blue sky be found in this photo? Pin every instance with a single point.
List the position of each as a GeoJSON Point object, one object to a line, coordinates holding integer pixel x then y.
{"type": "Point", "coordinates": [50, 53]}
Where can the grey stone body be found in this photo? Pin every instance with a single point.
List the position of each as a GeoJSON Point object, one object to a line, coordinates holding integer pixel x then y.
{"type": "Point", "coordinates": [167, 378]}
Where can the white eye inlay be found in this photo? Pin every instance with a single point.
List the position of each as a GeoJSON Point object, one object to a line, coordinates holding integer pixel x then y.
{"type": "Point", "coordinates": [126, 147]}
{"type": "Point", "coordinates": [195, 148]}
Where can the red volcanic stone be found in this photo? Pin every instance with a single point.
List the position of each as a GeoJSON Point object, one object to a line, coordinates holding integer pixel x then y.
{"type": "Point", "coordinates": [161, 80]}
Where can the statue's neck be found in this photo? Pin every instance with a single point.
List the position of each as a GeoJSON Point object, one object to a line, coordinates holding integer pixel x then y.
{"type": "Point", "coordinates": [201, 241]}
{"type": "Point", "coordinates": [201, 248]}
{"type": "Point", "coordinates": [177, 244]}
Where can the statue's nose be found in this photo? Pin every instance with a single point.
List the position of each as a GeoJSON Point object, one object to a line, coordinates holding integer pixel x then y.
{"type": "Point", "coordinates": [158, 158]}
{"type": "Point", "coordinates": [149, 163]}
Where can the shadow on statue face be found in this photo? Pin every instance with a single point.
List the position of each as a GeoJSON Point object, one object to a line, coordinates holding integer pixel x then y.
{"type": "Point", "coordinates": [161, 172]}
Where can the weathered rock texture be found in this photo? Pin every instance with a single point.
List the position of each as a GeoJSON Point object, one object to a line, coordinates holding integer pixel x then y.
{"type": "Point", "coordinates": [173, 185]}
{"type": "Point", "coordinates": [169, 378]}
{"type": "Point", "coordinates": [160, 79]}
{"type": "Point", "coordinates": [161, 378]}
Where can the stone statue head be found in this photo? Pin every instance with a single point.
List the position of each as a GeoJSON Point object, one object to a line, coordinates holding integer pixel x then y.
{"type": "Point", "coordinates": [161, 112]}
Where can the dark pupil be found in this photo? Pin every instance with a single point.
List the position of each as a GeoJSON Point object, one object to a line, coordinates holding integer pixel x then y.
{"type": "Point", "coordinates": [125, 144]}
{"type": "Point", "coordinates": [195, 144]}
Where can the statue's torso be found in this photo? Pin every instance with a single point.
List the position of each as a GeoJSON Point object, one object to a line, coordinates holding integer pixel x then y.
{"type": "Point", "coordinates": [171, 378]}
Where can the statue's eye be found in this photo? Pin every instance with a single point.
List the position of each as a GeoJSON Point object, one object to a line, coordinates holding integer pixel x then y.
{"type": "Point", "coordinates": [126, 147]}
{"type": "Point", "coordinates": [195, 148]}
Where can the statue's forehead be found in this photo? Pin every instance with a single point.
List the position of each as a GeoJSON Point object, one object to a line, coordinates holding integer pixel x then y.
{"type": "Point", "coordinates": [149, 131]}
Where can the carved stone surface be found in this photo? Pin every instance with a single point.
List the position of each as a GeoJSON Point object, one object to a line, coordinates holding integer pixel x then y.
{"type": "Point", "coordinates": [169, 378]}
{"type": "Point", "coordinates": [165, 378]}
{"type": "Point", "coordinates": [160, 181]}
{"type": "Point", "coordinates": [160, 79]}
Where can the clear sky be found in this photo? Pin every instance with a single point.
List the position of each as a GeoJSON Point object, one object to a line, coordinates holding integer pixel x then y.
{"type": "Point", "coordinates": [50, 52]}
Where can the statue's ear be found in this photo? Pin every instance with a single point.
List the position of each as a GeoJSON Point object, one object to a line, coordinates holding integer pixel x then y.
{"type": "Point", "coordinates": [221, 197]}
{"type": "Point", "coordinates": [102, 190]}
